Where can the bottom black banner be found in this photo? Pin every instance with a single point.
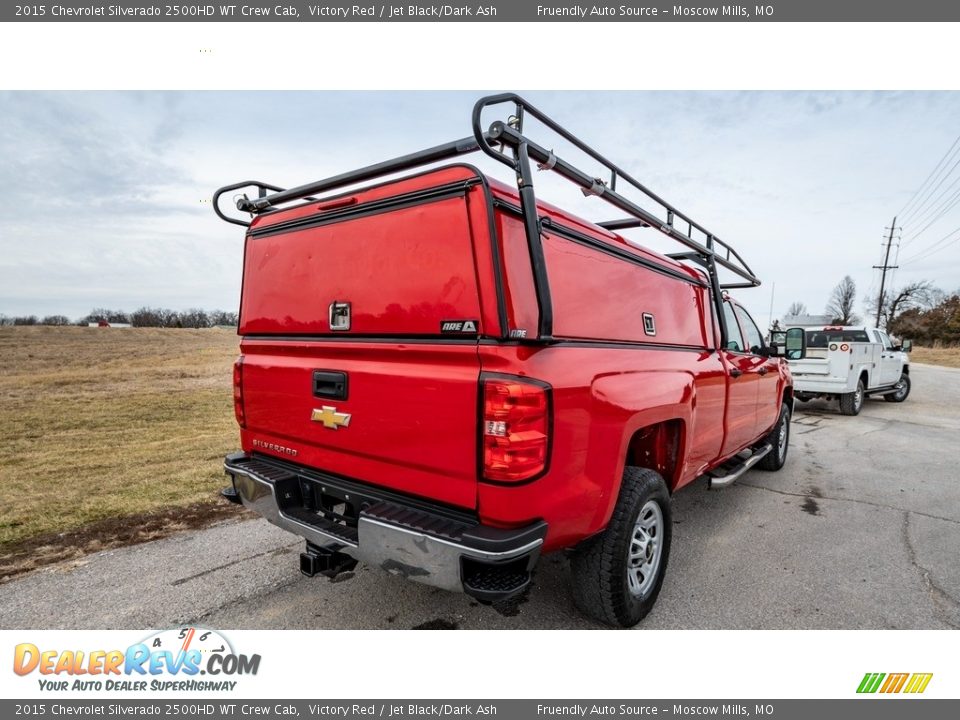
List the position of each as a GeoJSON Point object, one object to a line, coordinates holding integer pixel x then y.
{"type": "Point", "coordinates": [872, 707]}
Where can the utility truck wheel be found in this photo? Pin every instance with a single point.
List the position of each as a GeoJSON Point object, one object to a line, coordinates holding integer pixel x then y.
{"type": "Point", "coordinates": [617, 574]}
{"type": "Point", "coordinates": [779, 441]}
{"type": "Point", "coordinates": [851, 403]}
{"type": "Point", "coordinates": [903, 389]}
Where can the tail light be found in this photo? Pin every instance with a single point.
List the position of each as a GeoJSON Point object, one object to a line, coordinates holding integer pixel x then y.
{"type": "Point", "coordinates": [515, 429]}
{"type": "Point", "coordinates": [238, 392]}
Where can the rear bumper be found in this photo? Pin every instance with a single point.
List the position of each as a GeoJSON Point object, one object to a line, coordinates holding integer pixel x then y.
{"type": "Point", "coordinates": [431, 546]}
{"type": "Point", "coordinates": [820, 385]}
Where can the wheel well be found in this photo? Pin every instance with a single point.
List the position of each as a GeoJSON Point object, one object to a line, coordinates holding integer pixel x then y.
{"type": "Point", "coordinates": [657, 447]}
{"type": "Point", "coordinates": [787, 398]}
{"type": "Point", "coordinates": [865, 376]}
{"type": "Point", "coordinates": [906, 369]}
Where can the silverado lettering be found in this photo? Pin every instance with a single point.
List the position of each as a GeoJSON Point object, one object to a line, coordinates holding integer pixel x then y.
{"type": "Point", "coordinates": [525, 381]}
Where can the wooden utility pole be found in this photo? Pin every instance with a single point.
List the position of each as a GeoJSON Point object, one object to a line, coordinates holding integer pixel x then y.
{"type": "Point", "coordinates": [886, 266]}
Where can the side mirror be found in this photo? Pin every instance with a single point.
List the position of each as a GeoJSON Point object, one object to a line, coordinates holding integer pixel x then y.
{"type": "Point", "coordinates": [795, 344]}
{"type": "Point", "coordinates": [772, 350]}
{"type": "Point", "coordinates": [907, 346]}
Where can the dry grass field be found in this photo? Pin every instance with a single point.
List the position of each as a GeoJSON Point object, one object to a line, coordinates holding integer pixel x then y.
{"type": "Point", "coordinates": [109, 435]}
{"type": "Point", "coordinates": [950, 357]}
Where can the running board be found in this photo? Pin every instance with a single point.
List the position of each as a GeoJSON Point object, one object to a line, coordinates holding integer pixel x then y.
{"type": "Point", "coordinates": [735, 472]}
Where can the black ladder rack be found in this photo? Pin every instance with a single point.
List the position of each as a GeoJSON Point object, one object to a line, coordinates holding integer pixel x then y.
{"type": "Point", "coordinates": [702, 246]}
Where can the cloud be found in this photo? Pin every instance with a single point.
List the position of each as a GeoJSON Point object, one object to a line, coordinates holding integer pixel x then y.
{"type": "Point", "coordinates": [106, 194]}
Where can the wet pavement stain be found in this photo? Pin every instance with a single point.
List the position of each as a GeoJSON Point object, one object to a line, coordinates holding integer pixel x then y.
{"type": "Point", "coordinates": [438, 624]}
{"type": "Point", "coordinates": [511, 606]}
{"type": "Point", "coordinates": [810, 506]}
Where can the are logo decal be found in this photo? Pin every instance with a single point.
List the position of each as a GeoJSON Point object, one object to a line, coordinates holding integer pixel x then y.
{"type": "Point", "coordinates": [458, 326]}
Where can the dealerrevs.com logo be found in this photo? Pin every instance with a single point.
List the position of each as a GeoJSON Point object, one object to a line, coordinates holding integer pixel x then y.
{"type": "Point", "coordinates": [170, 660]}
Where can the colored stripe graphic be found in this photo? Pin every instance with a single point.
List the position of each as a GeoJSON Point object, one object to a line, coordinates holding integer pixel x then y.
{"type": "Point", "coordinates": [894, 683]}
{"type": "Point", "coordinates": [870, 682]}
{"type": "Point", "coordinates": [918, 682]}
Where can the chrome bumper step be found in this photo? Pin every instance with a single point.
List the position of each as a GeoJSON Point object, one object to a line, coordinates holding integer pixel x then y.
{"type": "Point", "coordinates": [429, 547]}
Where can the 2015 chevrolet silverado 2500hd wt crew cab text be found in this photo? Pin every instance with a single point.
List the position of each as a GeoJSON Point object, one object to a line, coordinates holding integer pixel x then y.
{"type": "Point", "coordinates": [445, 377]}
{"type": "Point", "coordinates": [850, 363]}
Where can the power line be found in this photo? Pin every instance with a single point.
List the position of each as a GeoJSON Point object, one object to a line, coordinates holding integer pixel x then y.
{"type": "Point", "coordinates": [933, 249]}
{"type": "Point", "coordinates": [905, 212]}
{"type": "Point", "coordinates": [930, 195]}
{"type": "Point", "coordinates": [929, 205]}
{"type": "Point", "coordinates": [941, 210]}
{"type": "Point", "coordinates": [917, 191]}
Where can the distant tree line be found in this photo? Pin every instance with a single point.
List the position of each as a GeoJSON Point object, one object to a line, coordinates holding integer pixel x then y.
{"type": "Point", "coordinates": [938, 323]}
{"type": "Point", "coordinates": [918, 311]}
{"type": "Point", "coordinates": [144, 317]}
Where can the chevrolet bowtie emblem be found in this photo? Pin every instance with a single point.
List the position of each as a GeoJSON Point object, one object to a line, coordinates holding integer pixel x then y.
{"type": "Point", "coordinates": [330, 418]}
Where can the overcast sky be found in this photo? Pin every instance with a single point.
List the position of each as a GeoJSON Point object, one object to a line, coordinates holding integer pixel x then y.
{"type": "Point", "coordinates": [105, 196]}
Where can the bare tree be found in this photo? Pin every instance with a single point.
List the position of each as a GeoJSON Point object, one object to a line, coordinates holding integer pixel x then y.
{"type": "Point", "coordinates": [223, 317]}
{"type": "Point", "coordinates": [895, 302]}
{"type": "Point", "coordinates": [842, 299]}
{"type": "Point", "coordinates": [796, 308]}
{"type": "Point", "coordinates": [194, 318]}
{"type": "Point", "coordinates": [148, 317]}
{"type": "Point", "coordinates": [55, 320]}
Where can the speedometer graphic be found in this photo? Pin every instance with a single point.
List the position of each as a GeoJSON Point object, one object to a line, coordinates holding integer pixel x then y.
{"type": "Point", "coordinates": [184, 639]}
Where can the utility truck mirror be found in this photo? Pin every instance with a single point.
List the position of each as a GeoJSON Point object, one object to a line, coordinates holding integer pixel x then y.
{"type": "Point", "coordinates": [796, 344]}
{"type": "Point", "coordinates": [907, 346]}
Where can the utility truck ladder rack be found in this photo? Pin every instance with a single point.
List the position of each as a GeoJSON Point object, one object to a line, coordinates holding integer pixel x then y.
{"type": "Point", "coordinates": [506, 142]}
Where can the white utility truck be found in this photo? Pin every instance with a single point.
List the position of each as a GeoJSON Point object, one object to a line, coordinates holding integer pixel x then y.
{"type": "Point", "coordinates": [847, 363]}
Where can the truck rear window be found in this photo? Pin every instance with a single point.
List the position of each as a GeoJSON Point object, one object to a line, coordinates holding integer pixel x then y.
{"type": "Point", "coordinates": [822, 338]}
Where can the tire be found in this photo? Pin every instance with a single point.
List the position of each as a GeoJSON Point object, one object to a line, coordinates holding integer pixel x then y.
{"type": "Point", "coordinates": [903, 385]}
{"type": "Point", "coordinates": [779, 440]}
{"type": "Point", "coordinates": [608, 585]}
{"type": "Point", "coordinates": [852, 403]}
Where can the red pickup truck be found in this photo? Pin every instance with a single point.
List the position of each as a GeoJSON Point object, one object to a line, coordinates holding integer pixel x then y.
{"type": "Point", "coordinates": [445, 377]}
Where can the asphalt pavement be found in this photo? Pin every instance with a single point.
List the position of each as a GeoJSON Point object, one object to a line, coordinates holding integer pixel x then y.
{"type": "Point", "coordinates": [861, 529]}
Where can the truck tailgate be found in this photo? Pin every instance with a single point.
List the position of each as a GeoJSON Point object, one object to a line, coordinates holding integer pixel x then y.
{"type": "Point", "coordinates": [408, 423]}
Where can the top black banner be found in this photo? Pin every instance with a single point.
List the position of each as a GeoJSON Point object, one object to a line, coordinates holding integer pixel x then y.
{"type": "Point", "coordinates": [496, 11]}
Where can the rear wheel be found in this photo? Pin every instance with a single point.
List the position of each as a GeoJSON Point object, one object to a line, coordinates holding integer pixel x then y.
{"type": "Point", "coordinates": [617, 574]}
{"type": "Point", "coordinates": [851, 403]}
{"type": "Point", "coordinates": [779, 441]}
{"type": "Point", "coordinates": [902, 390]}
